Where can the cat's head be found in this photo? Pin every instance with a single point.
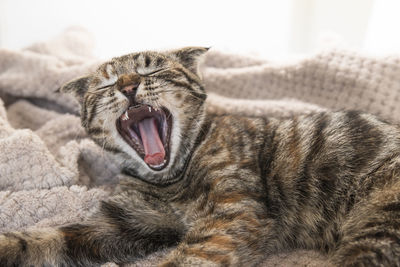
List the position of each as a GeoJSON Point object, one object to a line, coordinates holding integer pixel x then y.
{"type": "Point", "coordinates": [147, 108]}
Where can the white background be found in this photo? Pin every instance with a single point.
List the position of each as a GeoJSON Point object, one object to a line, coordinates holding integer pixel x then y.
{"type": "Point", "coordinates": [269, 28]}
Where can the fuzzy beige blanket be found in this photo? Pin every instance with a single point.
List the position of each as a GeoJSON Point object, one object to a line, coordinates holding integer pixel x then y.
{"type": "Point", "coordinates": [52, 174]}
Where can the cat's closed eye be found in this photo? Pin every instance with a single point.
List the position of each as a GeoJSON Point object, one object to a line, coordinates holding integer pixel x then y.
{"type": "Point", "coordinates": [105, 86]}
{"type": "Point", "coordinates": [151, 72]}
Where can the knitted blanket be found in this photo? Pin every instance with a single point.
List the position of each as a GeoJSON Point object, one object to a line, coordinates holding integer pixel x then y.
{"type": "Point", "coordinates": [52, 174]}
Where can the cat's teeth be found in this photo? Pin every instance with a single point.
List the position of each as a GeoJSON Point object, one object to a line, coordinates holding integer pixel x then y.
{"type": "Point", "coordinates": [149, 109]}
{"type": "Point", "coordinates": [125, 116]}
{"type": "Point", "coordinates": [159, 165]}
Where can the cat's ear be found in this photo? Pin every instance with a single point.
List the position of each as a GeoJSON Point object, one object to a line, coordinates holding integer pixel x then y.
{"type": "Point", "coordinates": [77, 87]}
{"type": "Point", "coordinates": [190, 57]}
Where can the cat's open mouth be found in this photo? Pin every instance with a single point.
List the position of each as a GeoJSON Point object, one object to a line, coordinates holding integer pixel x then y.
{"type": "Point", "coordinates": [147, 130]}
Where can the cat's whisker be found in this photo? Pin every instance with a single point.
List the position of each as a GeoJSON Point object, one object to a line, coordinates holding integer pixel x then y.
{"type": "Point", "coordinates": [104, 138]}
{"type": "Point", "coordinates": [99, 91]}
{"type": "Point", "coordinates": [194, 119]}
{"type": "Point", "coordinates": [180, 89]}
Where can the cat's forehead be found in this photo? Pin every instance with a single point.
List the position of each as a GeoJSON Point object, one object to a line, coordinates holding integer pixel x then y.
{"type": "Point", "coordinates": [141, 63]}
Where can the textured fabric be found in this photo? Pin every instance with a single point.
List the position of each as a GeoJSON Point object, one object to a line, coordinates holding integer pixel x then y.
{"type": "Point", "coordinates": [52, 174]}
{"type": "Point", "coordinates": [334, 79]}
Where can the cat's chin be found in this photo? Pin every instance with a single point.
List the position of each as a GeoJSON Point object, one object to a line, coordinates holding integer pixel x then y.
{"type": "Point", "coordinates": [147, 130]}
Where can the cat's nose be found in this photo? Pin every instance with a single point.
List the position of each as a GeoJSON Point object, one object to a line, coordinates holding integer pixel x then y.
{"type": "Point", "coordinates": [128, 84]}
{"type": "Point", "coordinates": [129, 90]}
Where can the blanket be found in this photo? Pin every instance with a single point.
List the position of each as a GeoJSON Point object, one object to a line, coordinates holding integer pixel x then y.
{"type": "Point", "coordinates": [52, 174]}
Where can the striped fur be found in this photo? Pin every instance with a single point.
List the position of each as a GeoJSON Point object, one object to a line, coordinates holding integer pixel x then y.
{"type": "Point", "coordinates": [236, 188]}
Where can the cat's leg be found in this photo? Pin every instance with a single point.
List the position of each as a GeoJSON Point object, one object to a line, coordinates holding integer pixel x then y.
{"type": "Point", "coordinates": [371, 236]}
{"type": "Point", "coordinates": [123, 230]}
{"type": "Point", "coordinates": [240, 236]}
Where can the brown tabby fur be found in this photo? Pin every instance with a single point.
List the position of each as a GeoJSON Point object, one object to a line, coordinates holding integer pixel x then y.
{"type": "Point", "coordinates": [236, 189]}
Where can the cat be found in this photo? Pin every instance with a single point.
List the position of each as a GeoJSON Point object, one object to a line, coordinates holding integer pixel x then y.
{"type": "Point", "coordinates": [222, 190]}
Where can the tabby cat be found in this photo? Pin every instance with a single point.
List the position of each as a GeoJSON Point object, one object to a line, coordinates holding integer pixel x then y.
{"type": "Point", "coordinates": [224, 190]}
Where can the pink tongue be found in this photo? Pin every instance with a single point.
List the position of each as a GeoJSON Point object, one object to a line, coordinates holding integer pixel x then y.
{"type": "Point", "coordinates": [153, 147]}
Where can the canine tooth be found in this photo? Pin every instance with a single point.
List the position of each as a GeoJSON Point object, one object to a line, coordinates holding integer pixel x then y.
{"type": "Point", "coordinates": [125, 116]}
{"type": "Point", "coordinates": [149, 109]}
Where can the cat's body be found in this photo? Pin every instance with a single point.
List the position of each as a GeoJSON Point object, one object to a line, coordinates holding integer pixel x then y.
{"type": "Point", "coordinates": [227, 190]}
